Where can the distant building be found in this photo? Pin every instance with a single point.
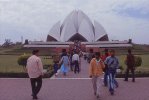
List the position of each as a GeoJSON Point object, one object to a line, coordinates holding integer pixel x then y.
{"type": "Point", "coordinates": [77, 26]}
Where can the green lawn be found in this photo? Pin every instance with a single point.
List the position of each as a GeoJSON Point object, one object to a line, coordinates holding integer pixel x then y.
{"type": "Point", "coordinates": [8, 64]}
{"type": "Point", "coordinates": [145, 63]}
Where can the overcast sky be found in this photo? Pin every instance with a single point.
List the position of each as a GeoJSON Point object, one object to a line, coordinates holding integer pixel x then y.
{"type": "Point", "coordinates": [32, 19]}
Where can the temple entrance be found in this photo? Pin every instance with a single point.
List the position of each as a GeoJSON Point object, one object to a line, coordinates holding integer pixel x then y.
{"type": "Point", "coordinates": [77, 37]}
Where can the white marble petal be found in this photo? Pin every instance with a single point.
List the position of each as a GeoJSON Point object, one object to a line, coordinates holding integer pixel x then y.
{"type": "Point", "coordinates": [55, 31]}
{"type": "Point", "coordinates": [86, 31]}
{"type": "Point", "coordinates": [99, 31]}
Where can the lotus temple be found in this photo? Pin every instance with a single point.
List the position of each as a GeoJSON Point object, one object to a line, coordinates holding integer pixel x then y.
{"type": "Point", "coordinates": [77, 26]}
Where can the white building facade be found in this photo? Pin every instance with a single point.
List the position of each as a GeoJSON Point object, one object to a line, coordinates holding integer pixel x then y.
{"type": "Point", "coordinates": [77, 26]}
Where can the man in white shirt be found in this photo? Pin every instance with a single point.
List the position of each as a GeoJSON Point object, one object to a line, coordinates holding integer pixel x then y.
{"type": "Point", "coordinates": [76, 60]}
{"type": "Point", "coordinates": [35, 72]}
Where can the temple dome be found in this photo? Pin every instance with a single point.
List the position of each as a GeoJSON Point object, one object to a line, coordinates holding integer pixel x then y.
{"type": "Point", "coordinates": [77, 26]}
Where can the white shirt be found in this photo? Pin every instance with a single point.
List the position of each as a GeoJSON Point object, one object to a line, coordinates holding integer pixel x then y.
{"type": "Point", "coordinates": [75, 57]}
{"type": "Point", "coordinates": [34, 67]}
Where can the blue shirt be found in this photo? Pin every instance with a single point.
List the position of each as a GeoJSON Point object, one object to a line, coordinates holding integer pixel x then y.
{"type": "Point", "coordinates": [112, 63]}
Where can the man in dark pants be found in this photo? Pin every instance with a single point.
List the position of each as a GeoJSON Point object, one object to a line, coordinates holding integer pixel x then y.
{"type": "Point", "coordinates": [106, 67]}
{"type": "Point", "coordinates": [71, 62]}
{"type": "Point", "coordinates": [76, 64]}
{"type": "Point", "coordinates": [36, 84]}
{"type": "Point", "coordinates": [90, 55]}
{"type": "Point", "coordinates": [76, 60]}
{"type": "Point", "coordinates": [35, 72]}
{"type": "Point", "coordinates": [130, 62]}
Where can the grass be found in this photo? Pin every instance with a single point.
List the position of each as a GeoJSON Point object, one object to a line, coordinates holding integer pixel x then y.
{"type": "Point", "coordinates": [143, 68]}
{"type": "Point", "coordinates": [8, 64]}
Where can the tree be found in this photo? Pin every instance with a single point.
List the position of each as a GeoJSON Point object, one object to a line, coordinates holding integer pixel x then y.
{"type": "Point", "coordinates": [22, 61]}
{"type": "Point", "coordinates": [7, 43]}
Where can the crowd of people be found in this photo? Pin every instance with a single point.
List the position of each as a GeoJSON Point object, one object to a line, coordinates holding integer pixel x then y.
{"type": "Point", "coordinates": [72, 60]}
{"type": "Point", "coordinates": [69, 60]}
{"type": "Point", "coordinates": [99, 64]}
{"type": "Point", "coordinates": [108, 64]}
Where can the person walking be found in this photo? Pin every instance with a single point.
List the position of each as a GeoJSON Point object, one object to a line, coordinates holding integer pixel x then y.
{"type": "Point", "coordinates": [64, 62]}
{"type": "Point", "coordinates": [35, 72]}
{"type": "Point", "coordinates": [76, 61]}
{"type": "Point", "coordinates": [106, 67]}
{"type": "Point", "coordinates": [63, 53]}
{"type": "Point", "coordinates": [112, 63]}
{"type": "Point", "coordinates": [96, 73]}
{"type": "Point", "coordinates": [90, 55]}
{"type": "Point", "coordinates": [130, 62]}
{"type": "Point", "coordinates": [71, 62]}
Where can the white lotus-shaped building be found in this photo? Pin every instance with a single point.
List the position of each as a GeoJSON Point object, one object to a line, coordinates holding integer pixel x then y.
{"type": "Point", "coordinates": [77, 26]}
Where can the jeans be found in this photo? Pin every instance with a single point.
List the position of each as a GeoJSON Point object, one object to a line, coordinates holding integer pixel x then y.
{"type": "Point", "coordinates": [71, 65]}
{"type": "Point", "coordinates": [36, 84]}
{"type": "Point", "coordinates": [76, 65]}
{"type": "Point", "coordinates": [127, 72]}
{"type": "Point", "coordinates": [106, 78]}
{"type": "Point", "coordinates": [112, 83]}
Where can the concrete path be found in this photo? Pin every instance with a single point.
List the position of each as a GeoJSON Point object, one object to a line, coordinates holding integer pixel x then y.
{"type": "Point", "coordinates": [83, 74]}
{"type": "Point", "coordinates": [72, 87]}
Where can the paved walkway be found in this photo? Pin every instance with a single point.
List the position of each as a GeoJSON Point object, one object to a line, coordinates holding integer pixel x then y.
{"type": "Point", "coordinates": [83, 74]}
{"type": "Point", "coordinates": [72, 87]}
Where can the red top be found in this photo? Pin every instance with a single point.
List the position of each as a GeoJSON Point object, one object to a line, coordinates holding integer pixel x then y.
{"type": "Point", "coordinates": [103, 57]}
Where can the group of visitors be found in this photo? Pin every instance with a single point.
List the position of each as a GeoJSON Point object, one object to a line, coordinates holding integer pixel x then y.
{"type": "Point", "coordinates": [98, 64]}
{"type": "Point", "coordinates": [71, 62]}
{"type": "Point", "coordinates": [77, 45]}
{"type": "Point", "coordinates": [108, 64]}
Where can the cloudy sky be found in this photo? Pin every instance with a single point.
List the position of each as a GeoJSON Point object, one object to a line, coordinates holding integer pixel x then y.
{"type": "Point", "coordinates": [32, 19]}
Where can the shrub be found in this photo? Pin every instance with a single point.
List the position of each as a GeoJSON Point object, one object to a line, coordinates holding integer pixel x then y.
{"type": "Point", "coordinates": [138, 61]}
{"type": "Point", "coordinates": [22, 60]}
{"type": "Point", "coordinates": [121, 68]}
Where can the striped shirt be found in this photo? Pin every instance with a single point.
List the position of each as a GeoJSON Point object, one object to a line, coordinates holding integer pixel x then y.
{"type": "Point", "coordinates": [34, 67]}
